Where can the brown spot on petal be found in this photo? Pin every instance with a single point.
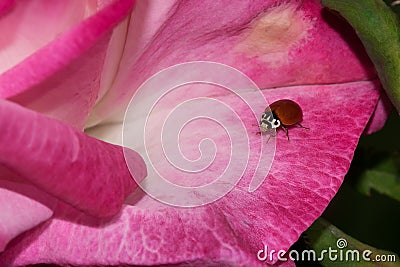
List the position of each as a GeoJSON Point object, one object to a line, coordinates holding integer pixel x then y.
{"type": "Point", "coordinates": [273, 33]}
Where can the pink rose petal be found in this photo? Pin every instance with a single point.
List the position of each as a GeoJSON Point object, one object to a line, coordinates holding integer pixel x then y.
{"type": "Point", "coordinates": [306, 174]}
{"type": "Point", "coordinates": [381, 113]}
{"type": "Point", "coordinates": [62, 79]}
{"type": "Point", "coordinates": [254, 36]}
{"type": "Point", "coordinates": [80, 170]}
{"type": "Point", "coordinates": [5, 6]}
{"type": "Point", "coordinates": [301, 48]}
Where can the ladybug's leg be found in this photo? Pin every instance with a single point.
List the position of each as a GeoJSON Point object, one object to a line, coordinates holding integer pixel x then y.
{"type": "Point", "coordinates": [301, 126]}
{"type": "Point", "coordinates": [271, 133]}
{"type": "Point", "coordinates": [286, 131]}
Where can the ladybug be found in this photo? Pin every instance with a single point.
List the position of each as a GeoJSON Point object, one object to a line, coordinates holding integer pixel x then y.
{"type": "Point", "coordinates": [281, 113]}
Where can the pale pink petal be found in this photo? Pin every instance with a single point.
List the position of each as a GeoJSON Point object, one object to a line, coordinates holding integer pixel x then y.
{"type": "Point", "coordinates": [66, 163]}
{"type": "Point", "coordinates": [146, 18]}
{"type": "Point", "coordinates": [22, 207]}
{"type": "Point", "coordinates": [62, 78]}
{"type": "Point", "coordinates": [35, 24]}
{"type": "Point", "coordinates": [306, 173]}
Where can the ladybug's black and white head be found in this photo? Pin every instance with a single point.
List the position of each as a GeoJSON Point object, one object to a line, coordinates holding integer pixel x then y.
{"type": "Point", "coordinates": [268, 122]}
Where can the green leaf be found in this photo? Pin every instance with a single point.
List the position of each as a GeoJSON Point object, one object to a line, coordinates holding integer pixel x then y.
{"type": "Point", "coordinates": [385, 183]}
{"type": "Point", "coordinates": [376, 164]}
{"type": "Point", "coordinates": [385, 139]}
{"type": "Point", "coordinates": [324, 236]}
{"type": "Point", "coordinates": [395, 8]}
{"type": "Point", "coordinates": [378, 27]}
{"type": "Point", "coordinates": [376, 170]}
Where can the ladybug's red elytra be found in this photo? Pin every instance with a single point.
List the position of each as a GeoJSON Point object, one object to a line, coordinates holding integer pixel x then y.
{"type": "Point", "coordinates": [281, 113]}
